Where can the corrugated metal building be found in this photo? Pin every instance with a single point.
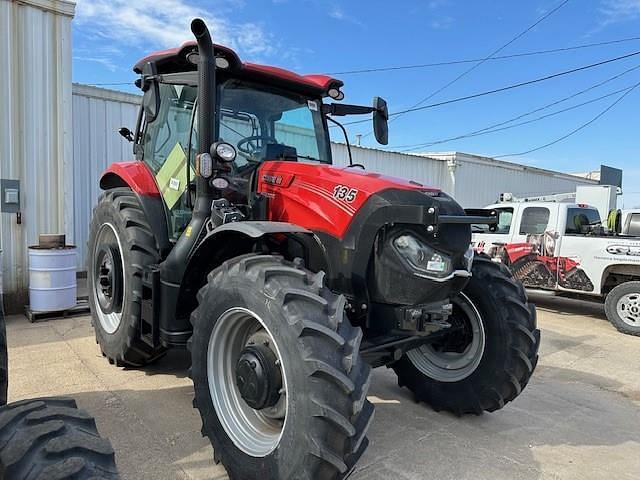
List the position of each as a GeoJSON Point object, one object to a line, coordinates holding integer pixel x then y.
{"type": "Point", "coordinates": [35, 133]}
{"type": "Point", "coordinates": [97, 116]}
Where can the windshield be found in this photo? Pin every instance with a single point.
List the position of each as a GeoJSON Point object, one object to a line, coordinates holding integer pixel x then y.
{"type": "Point", "coordinates": [265, 123]}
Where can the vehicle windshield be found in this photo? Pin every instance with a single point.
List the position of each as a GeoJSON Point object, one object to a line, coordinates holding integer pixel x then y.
{"type": "Point", "coordinates": [265, 123]}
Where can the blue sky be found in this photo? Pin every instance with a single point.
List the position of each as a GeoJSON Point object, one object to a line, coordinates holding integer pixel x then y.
{"type": "Point", "coordinates": [311, 36]}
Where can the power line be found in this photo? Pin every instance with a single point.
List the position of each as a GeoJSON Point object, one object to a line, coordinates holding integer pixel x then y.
{"type": "Point", "coordinates": [490, 128]}
{"type": "Point", "coordinates": [573, 132]}
{"type": "Point", "coordinates": [509, 87]}
{"type": "Point", "coordinates": [499, 57]}
{"type": "Point", "coordinates": [476, 65]}
{"type": "Point", "coordinates": [453, 62]}
{"type": "Point", "coordinates": [533, 120]}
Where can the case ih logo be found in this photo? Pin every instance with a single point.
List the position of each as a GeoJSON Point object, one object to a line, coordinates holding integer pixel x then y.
{"type": "Point", "coordinates": [623, 250]}
{"type": "Point", "coordinates": [272, 179]}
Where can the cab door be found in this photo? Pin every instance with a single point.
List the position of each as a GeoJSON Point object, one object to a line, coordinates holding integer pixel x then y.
{"type": "Point", "coordinates": [494, 241]}
{"type": "Point", "coordinates": [532, 252]}
{"type": "Point", "coordinates": [581, 256]}
{"type": "Point", "coordinates": [165, 145]}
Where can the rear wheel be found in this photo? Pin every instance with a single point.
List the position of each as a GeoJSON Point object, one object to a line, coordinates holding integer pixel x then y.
{"type": "Point", "coordinates": [622, 307]}
{"type": "Point", "coordinates": [51, 439]}
{"type": "Point", "coordinates": [121, 244]}
{"type": "Point", "coordinates": [279, 383]}
{"type": "Point", "coordinates": [490, 354]}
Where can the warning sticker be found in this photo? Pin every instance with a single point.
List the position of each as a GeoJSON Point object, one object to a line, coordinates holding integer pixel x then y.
{"type": "Point", "coordinates": [172, 177]}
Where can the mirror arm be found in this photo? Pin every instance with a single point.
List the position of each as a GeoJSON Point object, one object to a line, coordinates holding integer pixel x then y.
{"type": "Point", "coordinates": [340, 109]}
{"type": "Point", "coordinates": [346, 137]}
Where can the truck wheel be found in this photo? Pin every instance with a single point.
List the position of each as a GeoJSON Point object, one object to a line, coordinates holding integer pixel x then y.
{"type": "Point", "coordinates": [120, 244]}
{"type": "Point", "coordinates": [279, 382]}
{"type": "Point", "coordinates": [50, 438]}
{"type": "Point", "coordinates": [4, 370]}
{"type": "Point", "coordinates": [622, 307]}
{"type": "Point", "coordinates": [488, 358]}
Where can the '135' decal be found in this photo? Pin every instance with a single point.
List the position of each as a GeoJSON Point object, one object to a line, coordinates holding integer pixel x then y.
{"type": "Point", "coordinates": [345, 193]}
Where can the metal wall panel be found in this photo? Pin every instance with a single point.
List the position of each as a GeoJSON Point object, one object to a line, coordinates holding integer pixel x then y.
{"type": "Point", "coordinates": [480, 180]}
{"type": "Point", "coordinates": [97, 116]}
{"type": "Point", "coordinates": [35, 129]}
{"type": "Point", "coordinates": [427, 171]}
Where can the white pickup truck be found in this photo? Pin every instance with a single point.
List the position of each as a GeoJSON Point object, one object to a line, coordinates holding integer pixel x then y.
{"type": "Point", "coordinates": [563, 247]}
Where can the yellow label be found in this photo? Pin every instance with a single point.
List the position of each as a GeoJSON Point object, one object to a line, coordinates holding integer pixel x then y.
{"type": "Point", "coordinates": [172, 177]}
{"type": "Point", "coordinates": [187, 232]}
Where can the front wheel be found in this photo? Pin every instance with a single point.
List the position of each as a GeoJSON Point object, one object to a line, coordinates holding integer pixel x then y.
{"type": "Point", "coordinates": [622, 307]}
{"type": "Point", "coordinates": [121, 244]}
{"type": "Point", "coordinates": [278, 379]}
{"type": "Point", "coordinates": [490, 354]}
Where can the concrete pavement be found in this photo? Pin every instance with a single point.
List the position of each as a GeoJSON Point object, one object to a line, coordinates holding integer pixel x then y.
{"type": "Point", "coordinates": [579, 418]}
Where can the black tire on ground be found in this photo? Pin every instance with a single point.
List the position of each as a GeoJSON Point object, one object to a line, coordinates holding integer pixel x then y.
{"type": "Point", "coordinates": [510, 352]}
{"type": "Point", "coordinates": [51, 439]}
{"type": "Point", "coordinates": [628, 296]}
{"type": "Point", "coordinates": [4, 371]}
{"type": "Point", "coordinates": [120, 209]}
{"type": "Point", "coordinates": [328, 414]}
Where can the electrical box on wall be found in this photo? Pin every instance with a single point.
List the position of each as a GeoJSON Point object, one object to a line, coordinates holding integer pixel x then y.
{"type": "Point", "coordinates": [9, 196]}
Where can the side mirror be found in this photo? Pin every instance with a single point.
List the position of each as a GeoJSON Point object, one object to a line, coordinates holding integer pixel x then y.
{"type": "Point", "coordinates": [381, 120]}
{"type": "Point", "coordinates": [151, 89]}
{"type": "Point", "coordinates": [126, 133]}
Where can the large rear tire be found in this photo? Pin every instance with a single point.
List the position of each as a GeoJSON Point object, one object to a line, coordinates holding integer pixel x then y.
{"type": "Point", "coordinates": [121, 244]}
{"type": "Point", "coordinates": [488, 360]}
{"type": "Point", "coordinates": [51, 439]}
{"type": "Point", "coordinates": [258, 307]}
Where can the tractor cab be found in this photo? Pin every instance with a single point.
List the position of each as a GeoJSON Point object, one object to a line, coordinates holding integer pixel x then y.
{"type": "Point", "coordinates": [262, 113]}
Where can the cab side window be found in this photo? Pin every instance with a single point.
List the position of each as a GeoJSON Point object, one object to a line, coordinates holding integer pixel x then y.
{"type": "Point", "coordinates": [534, 220]}
{"type": "Point", "coordinates": [580, 219]}
{"type": "Point", "coordinates": [172, 125]}
{"type": "Point", "coordinates": [505, 218]}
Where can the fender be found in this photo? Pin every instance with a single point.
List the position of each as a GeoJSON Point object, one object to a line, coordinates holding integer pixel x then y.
{"type": "Point", "coordinates": [135, 175]}
{"type": "Point", "coordinates": [138, 177]}
{"type": "Point", "coordinates": [218, 245]}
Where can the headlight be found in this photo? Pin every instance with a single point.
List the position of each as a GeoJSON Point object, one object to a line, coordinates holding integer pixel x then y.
{"type": "Point", "coordinates": [422, 258]}
{"type": "Point", "coordinates": [468, 258]}
{"type": "Point", "coordinates": [224, 151]}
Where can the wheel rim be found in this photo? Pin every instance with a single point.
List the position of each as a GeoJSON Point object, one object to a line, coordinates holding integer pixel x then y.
{"type": "Point", "coordinates": [108, 278]}
{"type": "Point", "coordinates": [256, 432]}
{"type": "Point", "coordinates": [628, 309]}
{"type": "Point", "coordinates": [457, 356]}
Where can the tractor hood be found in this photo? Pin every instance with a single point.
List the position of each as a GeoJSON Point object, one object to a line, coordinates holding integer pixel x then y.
{"type": "Point", "coordinates": [322, 197]}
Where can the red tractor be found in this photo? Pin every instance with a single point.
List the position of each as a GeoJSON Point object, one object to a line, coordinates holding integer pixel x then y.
{"type": "Point", "coordinates": [288, 279]}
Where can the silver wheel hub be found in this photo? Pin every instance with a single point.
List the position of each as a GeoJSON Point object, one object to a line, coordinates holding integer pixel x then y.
{"type": "Point", "coordinates": [243, 360]}
{"type": "Point", "coordinates": [108, 278]}
{"type": "Point", "coordinates": [456, 357]}
{"type": "Point", "coordinates": [628, 309]}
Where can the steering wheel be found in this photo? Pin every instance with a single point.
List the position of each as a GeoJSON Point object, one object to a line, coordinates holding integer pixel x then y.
{"type": "Point", "coordinates": [245, 145]}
